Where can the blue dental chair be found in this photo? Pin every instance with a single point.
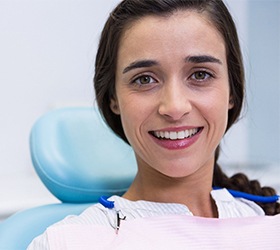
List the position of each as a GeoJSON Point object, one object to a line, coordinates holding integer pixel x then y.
{"type": "Point", "coordinates": [78, 159]}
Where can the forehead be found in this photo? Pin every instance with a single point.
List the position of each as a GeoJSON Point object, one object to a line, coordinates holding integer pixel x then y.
{"type": "Point", "coordinates": [185, 30]}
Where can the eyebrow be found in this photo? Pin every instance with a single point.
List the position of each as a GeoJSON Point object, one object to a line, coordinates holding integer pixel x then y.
{"type": "Point", "coordinates": [202, 59]}
{"type": "Point", "coordinates": [190, 59]}
{"type": "Point", "coordinates": [140, 64]}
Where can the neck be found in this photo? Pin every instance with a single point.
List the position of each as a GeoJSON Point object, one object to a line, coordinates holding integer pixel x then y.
{"type": "Point", "coordinates": [192, 191]}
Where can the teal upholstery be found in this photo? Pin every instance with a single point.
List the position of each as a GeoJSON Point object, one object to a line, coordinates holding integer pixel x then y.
{"type": "Point", "coordinates": [17, 231]}
{"type": "Point", "coordinates": [78, 159]}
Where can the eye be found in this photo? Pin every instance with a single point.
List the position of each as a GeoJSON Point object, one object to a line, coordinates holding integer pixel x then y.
{"type": "Point", "coordinates": [201, 75]}
{"type": "Point", "coordinates": [144, 80]}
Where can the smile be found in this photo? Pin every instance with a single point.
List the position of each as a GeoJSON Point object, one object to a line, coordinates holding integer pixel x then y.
{"type": "Point", "coordinates": [176, 135]}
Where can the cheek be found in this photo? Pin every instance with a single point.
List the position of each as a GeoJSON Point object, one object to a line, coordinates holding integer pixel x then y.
{"type": "Point", "coordinates": [133, 106]}
{"type": "Point", "coordinates": [216, 108]}
{"type": "Point", "coordinates": [130, 116]}
{"type": "Point", "coordinates": [135, 112]}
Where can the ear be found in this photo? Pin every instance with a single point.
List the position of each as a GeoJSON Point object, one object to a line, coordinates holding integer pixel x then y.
{"type": "Point", "coordinates": [114, 105]}
{"type": "Point", "coordinates": [230, 103]}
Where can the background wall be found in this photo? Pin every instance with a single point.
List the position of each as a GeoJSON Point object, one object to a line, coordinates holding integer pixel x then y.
{"type": "Point", "coordinates": [264, 81]}
{"type": "Point", "coordinates": [259, 28]}
{"type": "Point", "coordinates": [47, 51]}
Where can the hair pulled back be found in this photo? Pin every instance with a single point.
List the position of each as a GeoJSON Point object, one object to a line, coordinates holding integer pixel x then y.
{"type": "Point", "coordinates": [128, 12]}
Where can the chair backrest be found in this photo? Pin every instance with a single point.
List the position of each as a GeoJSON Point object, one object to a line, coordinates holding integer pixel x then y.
{"type": "Point", "coordinates": [78, 159]}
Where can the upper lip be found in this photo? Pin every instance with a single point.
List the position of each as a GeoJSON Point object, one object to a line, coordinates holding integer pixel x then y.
{"type": "Point", "coordinates": [176, 129]}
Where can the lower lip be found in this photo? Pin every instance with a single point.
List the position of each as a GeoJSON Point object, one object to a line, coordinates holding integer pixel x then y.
{"type": "Point", "coordinates": [177, 144]}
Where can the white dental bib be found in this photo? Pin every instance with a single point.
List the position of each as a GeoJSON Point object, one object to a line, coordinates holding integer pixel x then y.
{"type": "Point", "coordinates": [171, 232]}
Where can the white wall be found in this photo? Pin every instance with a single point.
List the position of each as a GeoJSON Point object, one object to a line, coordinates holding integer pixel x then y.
{"type": "Point", "coordinates": [47, 50]}
{"type": "Point", "coordinates": [253, 145]}
{"type": "Point", "coordinates": [46, 59]}
{"type": "Point", "coordinates": [264, 83]}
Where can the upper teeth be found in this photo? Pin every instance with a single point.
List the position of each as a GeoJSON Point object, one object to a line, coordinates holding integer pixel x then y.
{"type": "Point", "coordinates": [176, 135]}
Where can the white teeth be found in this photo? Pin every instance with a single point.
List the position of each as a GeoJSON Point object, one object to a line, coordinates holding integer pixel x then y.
{"type": "Point", "coordinates": [173, 135]}
{"type": "Point", "coordinates": [166, 135]}
{"type": "Point", "coordinates": [181, 135]}
{"type": "Point", "coordinates": [176, 135]}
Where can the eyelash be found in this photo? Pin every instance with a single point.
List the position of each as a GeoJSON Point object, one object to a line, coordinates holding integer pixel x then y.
{"type": "Point", "coordinates": [138, 78]}
{"type": "Point", "coordinates": [207, 76]}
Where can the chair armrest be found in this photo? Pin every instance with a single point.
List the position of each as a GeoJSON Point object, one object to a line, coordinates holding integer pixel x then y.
{"type": "Point", "coordinates": [20, 229]}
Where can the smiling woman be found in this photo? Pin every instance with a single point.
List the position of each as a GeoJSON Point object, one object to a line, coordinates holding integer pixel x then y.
{"type": "Point", "coordinates": [169, 81]}
{"type": "Point", "coordinates": [186, 89]}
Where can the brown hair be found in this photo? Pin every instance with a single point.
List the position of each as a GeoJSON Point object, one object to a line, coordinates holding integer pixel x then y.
{"type": "Point", "coordinates": [127, 12]}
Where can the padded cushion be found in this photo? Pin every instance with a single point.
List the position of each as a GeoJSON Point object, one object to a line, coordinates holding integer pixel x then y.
{"type": "Point", "coordinates": [18, 230]}
{"type": "Point", "coordinates": [78, 157]}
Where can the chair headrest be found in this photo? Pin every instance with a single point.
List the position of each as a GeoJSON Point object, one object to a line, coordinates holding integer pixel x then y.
{"type": "Point", "coordinates": [78, 157]}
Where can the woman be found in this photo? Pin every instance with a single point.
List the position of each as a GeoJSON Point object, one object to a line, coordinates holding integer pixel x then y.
{"type": "Point", "coordinates": [169, 81]}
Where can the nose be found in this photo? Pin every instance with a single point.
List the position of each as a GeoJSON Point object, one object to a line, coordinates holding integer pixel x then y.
{"type": "Point", "coordinates": [175, 101]}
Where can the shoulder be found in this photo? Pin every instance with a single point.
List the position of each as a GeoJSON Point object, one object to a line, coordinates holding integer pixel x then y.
{"type": "Point", "coordinates": [229, 206]}
{"type": "Point", "coordinates": [94, 215]}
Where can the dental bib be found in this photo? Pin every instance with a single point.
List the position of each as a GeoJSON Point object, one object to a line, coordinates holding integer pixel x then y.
{"type": "Point", "coordinates": [171, 232]}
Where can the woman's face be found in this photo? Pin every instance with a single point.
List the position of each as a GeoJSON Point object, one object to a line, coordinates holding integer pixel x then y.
{"type": "Point", "coordinates": [172, 92]}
